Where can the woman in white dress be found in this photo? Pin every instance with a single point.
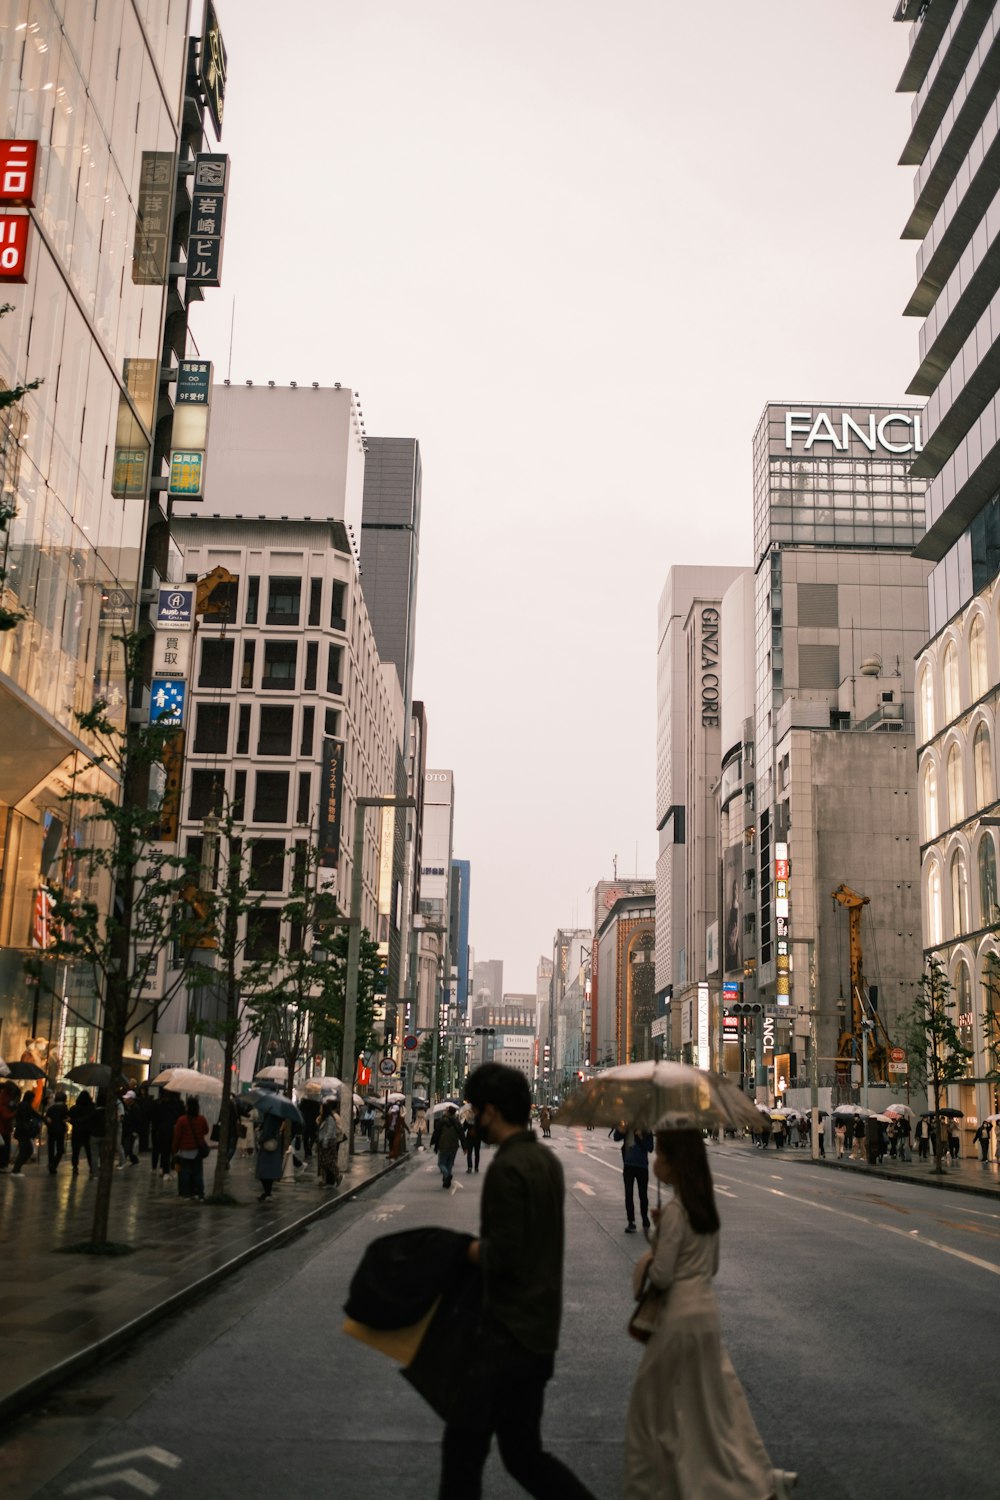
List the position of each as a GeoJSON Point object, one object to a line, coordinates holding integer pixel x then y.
{"type": "Point", "coordinates": [689, 1434]}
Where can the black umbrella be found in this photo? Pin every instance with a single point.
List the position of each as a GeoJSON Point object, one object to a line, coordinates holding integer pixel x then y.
{"type": "Point", "coordinates": [23, 1070]}
{"type": "Point", "coordinates": [92, 1075]}
{"type": "Point", "coordinates": [277, 1104]}
{"type": "Point", "coordinates": [949, 1113]}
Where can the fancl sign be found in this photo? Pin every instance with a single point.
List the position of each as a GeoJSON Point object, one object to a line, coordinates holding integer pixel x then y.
{"type": "Point", "coordinates": [896, 432]}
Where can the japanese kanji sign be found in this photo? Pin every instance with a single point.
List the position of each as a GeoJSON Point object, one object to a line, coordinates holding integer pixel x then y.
{"type": "Point", "coordinates": [171, 653]}
{"type": "Point", "coordinates": [186, 465]}
{"type": "Point", "coordinates": [194, 381]}
{"type": "Point", "coordinates": [17, 173]}
{"type": "Point", "coordinates": [166, 702]}
{"type": "Point", "coordinates": [14, 247]}
{"type": "Point", "coordinates": [208, 218]}
{"type": "Point", "coordinates": [150, 254]}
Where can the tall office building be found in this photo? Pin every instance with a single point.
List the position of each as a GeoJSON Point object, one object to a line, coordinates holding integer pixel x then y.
{"type": "Point", "coordinates": [953, 72]}
{"type": "Point", "coordinates": [458, 935]}
{"type": "Point", "coordinates": [95, 182]}
{"type": "Point", "coordinates": [839, 610]}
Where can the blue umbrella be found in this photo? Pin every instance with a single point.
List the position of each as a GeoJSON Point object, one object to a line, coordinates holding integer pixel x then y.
{"type": "Point", "coordinates": [277, 1104]}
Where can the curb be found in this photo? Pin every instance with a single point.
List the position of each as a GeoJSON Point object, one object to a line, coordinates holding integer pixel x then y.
{"type": "Point", "coordinates": [15, 1402]}
{"type": "Point", "coordinates": [933, 1180]}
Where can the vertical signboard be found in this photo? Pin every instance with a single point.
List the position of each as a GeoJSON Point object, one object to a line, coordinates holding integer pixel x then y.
{"type": "Point", "coordinates": [17, 173]}
{"type": "Point", "coordinates": [14, 247]}
{"type": "Point", "coordinates": [208, 218]}
{"type": "Point", "coordinates": [782, 983]}
{"type": "Point", "coordinates": [331, 796]}
{"type": "Point", "coordinates": [212, 63]}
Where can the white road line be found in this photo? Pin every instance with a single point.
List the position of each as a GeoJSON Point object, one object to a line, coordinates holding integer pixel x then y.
{"type": "Point", "coordinates": [612, 1166]}
{"type": "Point", "coordinates": [914, 1236]}
{"type": "Point", "coordinates": [724, 1191]}
{"type": "Point", "coordinates": [584, 1187]}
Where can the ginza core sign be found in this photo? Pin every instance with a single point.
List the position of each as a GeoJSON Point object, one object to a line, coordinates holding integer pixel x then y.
{"type": "Point", "coordinates": [896, 432]}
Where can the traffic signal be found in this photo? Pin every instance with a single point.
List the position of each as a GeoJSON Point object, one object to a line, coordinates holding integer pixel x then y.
{"type": "Point", "coordinates": [746, 1008]}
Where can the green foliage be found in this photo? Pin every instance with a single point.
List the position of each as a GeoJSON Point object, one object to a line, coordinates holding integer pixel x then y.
{"type": "Point", "coordinates": [937, 1056]}
{"type": "Point", "coordinates": [328, 1032]}
{"type": "Point", "coordinates": [991, 1016]}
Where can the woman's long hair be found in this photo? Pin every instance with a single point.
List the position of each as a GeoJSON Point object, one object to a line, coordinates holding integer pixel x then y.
{"type": "Point", "coordinates": [685, 1151]}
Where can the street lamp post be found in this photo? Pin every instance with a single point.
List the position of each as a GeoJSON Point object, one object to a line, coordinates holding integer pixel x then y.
{"type": "Point", "coordinates": [354, 944]}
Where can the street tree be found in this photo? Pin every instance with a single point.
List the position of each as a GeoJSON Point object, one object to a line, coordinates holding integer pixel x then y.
{"type": "Point", "coordinates": [991, 1017]}
{"type": "Point", "coordinates": [219, 988]}
{"type": "Point", "coordinates": [934, 1044]}
{"type": "Point", "coordinates": [434, 1080]}
{"type": "Point", "coordinates": [329, 1027]}
{"type": "Point", "coordinates": [123, 912]}
{"type": "Point", "coordinates": [287, 982]}
{"type": "Point", "coordinates": [9, 397]}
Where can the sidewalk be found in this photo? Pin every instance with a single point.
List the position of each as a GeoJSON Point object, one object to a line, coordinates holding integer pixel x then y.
{"type": "Point", "coordinates": [963, 1176]}
{"type": "Point", "coordinates": [60, 1313]}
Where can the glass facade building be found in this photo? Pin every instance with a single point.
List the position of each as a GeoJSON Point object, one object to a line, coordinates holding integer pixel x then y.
{"type": "Point", "coordinates": [99, 89]}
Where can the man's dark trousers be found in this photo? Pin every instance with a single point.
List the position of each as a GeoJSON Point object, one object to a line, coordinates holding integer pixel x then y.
{"type": "Point", "coordinates": [512, 1399]}
{"type": "Point", "coordinates": [639, 1177]}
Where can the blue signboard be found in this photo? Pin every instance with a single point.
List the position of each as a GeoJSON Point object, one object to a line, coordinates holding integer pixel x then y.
{"type": "Point", "coordinates": [175, 606]}
{"type": "Point", "coordinates": [166, 702]}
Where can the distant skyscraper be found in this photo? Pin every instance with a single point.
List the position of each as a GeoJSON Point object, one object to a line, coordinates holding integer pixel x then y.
{"type": "Point", "coordinates": [390, 549]}
{"type": "Point", "coordinates": [458, 938]}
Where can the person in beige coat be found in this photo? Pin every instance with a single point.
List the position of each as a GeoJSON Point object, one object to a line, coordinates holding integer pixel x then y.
{"type": "Point", "coordinates": [689, 1434]}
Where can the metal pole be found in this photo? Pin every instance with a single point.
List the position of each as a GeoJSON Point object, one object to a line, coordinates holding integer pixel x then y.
{"type": "Point", "coordinates": [348, 1059]}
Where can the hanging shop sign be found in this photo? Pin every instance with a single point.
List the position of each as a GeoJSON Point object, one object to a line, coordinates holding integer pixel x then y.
{"type": "Point", "coordinates": [175, 607]}
{"type": "Point", "coordinates": [208, 219]}
{"type": "Point", "coordinates": [212, 64]}
{"type": "Point", "coordinates": [166, 702]}
{"type": "Point", "coordinates": [782, 961]}
{"type": "Point", "coordinates": [172, 653]}
{"type": "Point", "coordinates": [14, 247]}
{"type": "Point", "coordinates": [17, 173]}
{"type": "Point", "coordinates": [187, 467]}
{"type": "Point", "coordinates": [331, 796]}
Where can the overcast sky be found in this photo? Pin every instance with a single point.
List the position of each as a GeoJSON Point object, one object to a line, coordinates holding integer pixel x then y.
{"type": "Point", "coordinates": [573, 248]}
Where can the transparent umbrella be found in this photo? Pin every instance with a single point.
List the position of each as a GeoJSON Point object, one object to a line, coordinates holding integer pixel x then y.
{"type": "Point", "coordinates": [643, 1093]}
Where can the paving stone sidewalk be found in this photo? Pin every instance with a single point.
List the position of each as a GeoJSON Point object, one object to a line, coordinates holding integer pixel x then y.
{"type": "Point", "coordinates": [61, 1312]}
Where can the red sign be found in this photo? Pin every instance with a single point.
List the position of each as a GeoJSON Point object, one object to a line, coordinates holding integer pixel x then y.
{"type": "Point", "coordinates": [13, 247]}
{"type": "Point", "coordinates": [364, 1075]}
{"type": "Point", "coordinates": [781, 869]}
{"type": "Point", "coordinates": [17, 172]}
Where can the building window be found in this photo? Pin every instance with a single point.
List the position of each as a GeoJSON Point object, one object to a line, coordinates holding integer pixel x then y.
{"type": "Point", "coordinates": [303, 808]}
{"type": "Point", "coordinates": [949, 674]}
{"type": "Point", "coordinates": [211, 736]}
{"type": "Point", "coordinates": [334, 680]}
{"type": "Point", "coordinates": [263, 933]}
{"type": "Point", "coordinates": [216, 664]}
{"type": "Point", "coordinates": [933, 887]}
{"type": "Point", "coordinates": [930, 802]}
{"type": "Point", "coordinates": [267, 865]}
{"type": "Point", "coordinates": [312, 666]}
{"type": "Point", "coordinates": [249, 656]}
{"type": "Point", "coordinates": [977, 658]}
{"type": "Point", "coordinates": [982, 760]}
{"type": "Point", "coordinates": [239, 794]}
{"type": "Point", "coordinates": [964, 1019]}
{"type": "Point", "coordinates": [989, 913]}
{"type": "Point", "coordinates": [956, 789]}
{"type": "Point", "coordinates": [284, 597]}
{"type": "Point", "coordinates": [271, 799]}
{"type": "Point", "coordinates": [308, 730]}
{"type": "Point", "coordinates": [274, 733]}
{"type": "Point", "coordinates": [208, 793]}
{"type": "Point", "coordinates": [337, 618]}
{"type": "Point", "coordinates": [926, 699]}
{"type": "Point", "coordinates": [280, 660]}
{"type": "Point", "coordinates": [315, 600]}
{"type": "Point", "coordinates": [253, 600]}
{"type": "Point", "coordinates": [960, 922]}
{"type": "Point", "coordinates": [243, 731]}
{"type": "Point", "coordinates": [331, 723]}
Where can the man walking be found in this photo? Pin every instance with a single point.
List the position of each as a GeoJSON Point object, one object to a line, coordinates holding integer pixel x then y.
{"type": "Point", "coordinates": [445, 1141]}
{"type": "Point", "coordinates": [520, 1250]}
{"type": "Point", "coordinates": [636, 1146]}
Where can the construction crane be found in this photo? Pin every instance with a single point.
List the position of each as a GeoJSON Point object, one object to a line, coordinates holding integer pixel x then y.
{"type": "Point", "coordinates": [866, 1024]}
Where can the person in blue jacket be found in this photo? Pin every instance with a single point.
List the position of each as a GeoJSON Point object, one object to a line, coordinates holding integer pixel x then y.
{"type": "Point", "coordinates": [636, 1146]}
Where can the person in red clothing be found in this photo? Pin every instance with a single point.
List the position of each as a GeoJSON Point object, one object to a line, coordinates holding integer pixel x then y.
{"type": "Point", "coordinates": [190, 1147]}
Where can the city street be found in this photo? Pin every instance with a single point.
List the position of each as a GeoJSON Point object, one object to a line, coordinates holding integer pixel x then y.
{"type": "Point", "coordinates": [840, 1298]}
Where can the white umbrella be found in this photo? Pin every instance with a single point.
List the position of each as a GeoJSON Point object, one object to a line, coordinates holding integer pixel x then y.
{"type": "Point", "coordinates": [189, 1081]}
{"type": "Point", "coordinates": [318, 1086]}
{"type": "Point", "coordinates": [395, 1098]}
{"type": "Point", "coordinates": [898, 1109]}
{"type": "Point", "coordinates": [851, 1109]}
{"type": "Point", "coordinates": [445, 1104]}
{"type": "Point", "coordinates": [279, 1072]}
{"type": "Point", "coordinates": [990, 1118]}
{"type": "Point", "coordinates": [643, 1093]}
{"type": "Point", "coordinates": [359, 1101]}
